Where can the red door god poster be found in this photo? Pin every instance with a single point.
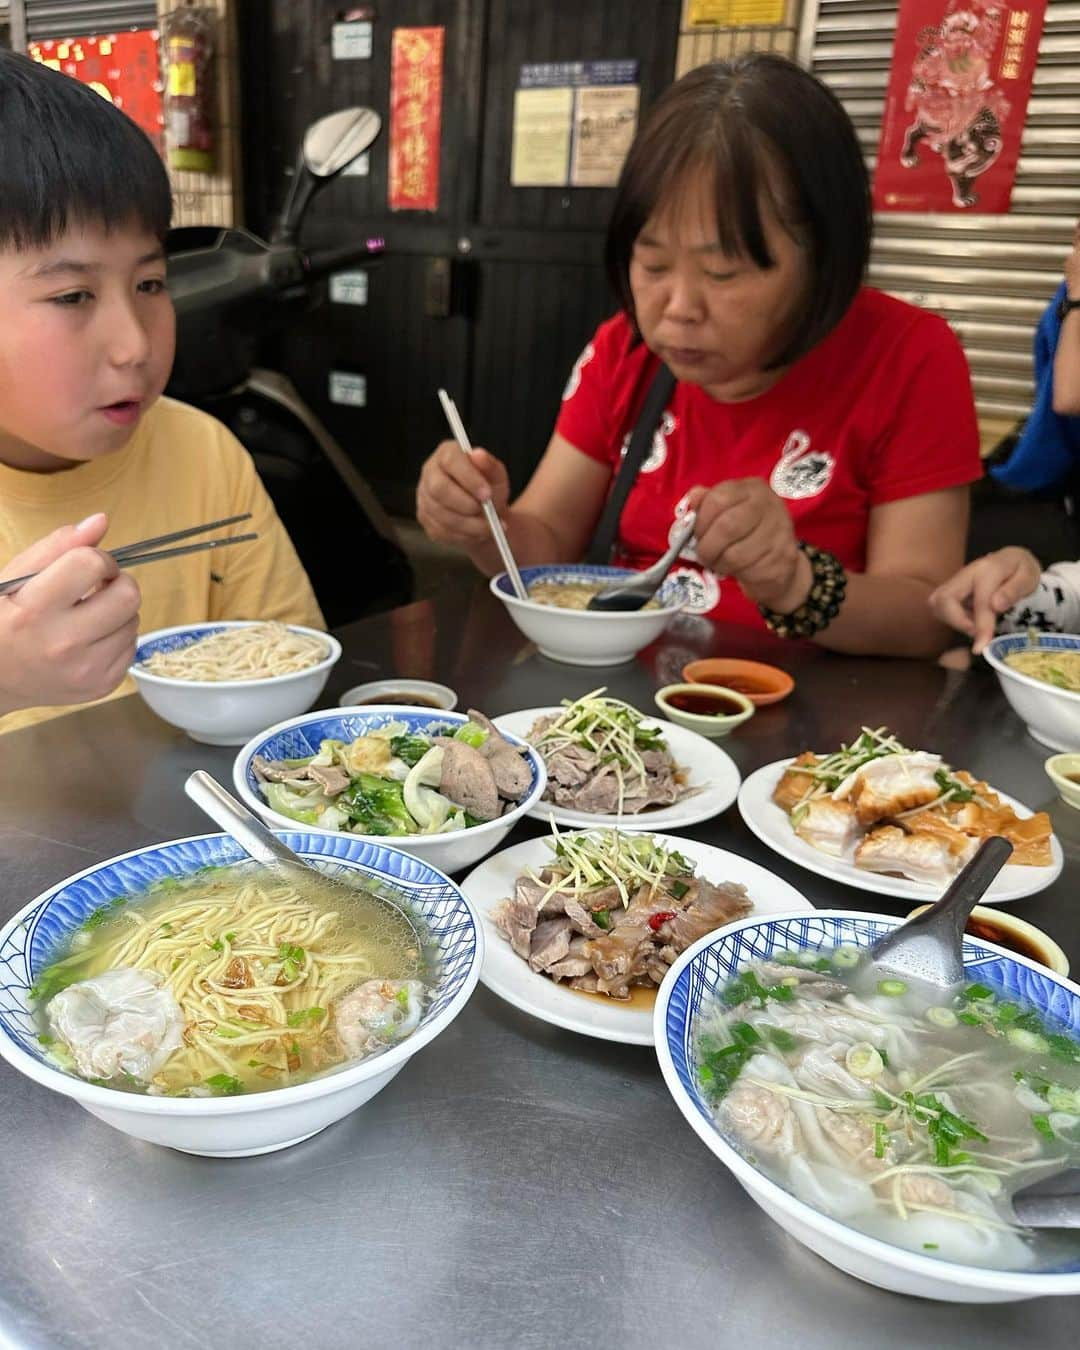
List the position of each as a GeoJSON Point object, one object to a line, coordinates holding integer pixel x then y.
{"type": "Point", "coordinates": [416, 80]}
{"type": "Point", "coordinates": [954, 113]}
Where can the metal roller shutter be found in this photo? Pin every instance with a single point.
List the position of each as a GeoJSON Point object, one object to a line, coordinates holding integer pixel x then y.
{"type": "Point", "coordinates": [990, 276]}
{"type": "Point", "coordinates": [73, 18]}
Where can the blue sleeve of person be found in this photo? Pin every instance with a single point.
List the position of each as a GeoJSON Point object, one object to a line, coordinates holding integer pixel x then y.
{"type": "Point", "coordinates": [1049, 446]}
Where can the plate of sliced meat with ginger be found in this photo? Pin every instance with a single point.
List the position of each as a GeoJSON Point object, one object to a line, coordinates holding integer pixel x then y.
{"type": "Point", "coordinates": [581, 927]}
{"type": "Point", "coordinates": [895, 821]}
{"type": "Point", "coordinates": [610, 765]}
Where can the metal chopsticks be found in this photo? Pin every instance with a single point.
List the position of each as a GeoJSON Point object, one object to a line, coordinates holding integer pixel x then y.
{"type": "Point", "coordinates": [133, 555]}
{"type": "Point", "coordinates": [490, 514]}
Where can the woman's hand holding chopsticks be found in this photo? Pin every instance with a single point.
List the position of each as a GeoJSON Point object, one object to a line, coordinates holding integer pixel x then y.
{"type": "Point", "coordinates": [451, 494]}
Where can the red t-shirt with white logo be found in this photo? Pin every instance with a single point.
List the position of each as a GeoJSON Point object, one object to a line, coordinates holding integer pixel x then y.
{"type": "Point", "coordinates": [880, 410]}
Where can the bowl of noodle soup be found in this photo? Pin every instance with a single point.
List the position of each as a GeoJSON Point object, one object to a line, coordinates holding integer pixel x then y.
{"type": "Point", "coordinates": [230, 1113]}
{"type": "Point", "coordinates": [222, 682]}
{"type": "Point", "coordinates": [1039, 674]}
{"type": "Point", "coordinates": [817, 1166]}
{"type": "Point", "coordinates": [557, 619]}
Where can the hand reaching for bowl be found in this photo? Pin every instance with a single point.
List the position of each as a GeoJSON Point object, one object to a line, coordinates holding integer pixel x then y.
{"type": "Point", "coordinates": [452, 490]}
{"type": "Point", "coordinates": [744, 531]}
{"type": "Point", "coordinates": [68, 635]}
{"type": "Point", "coordinates": [972, 600]}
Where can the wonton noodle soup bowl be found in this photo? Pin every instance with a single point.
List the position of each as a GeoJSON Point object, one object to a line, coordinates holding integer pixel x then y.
{"type": "Point", "coordinates": [261, 1122]}
{"type": "Point", "coordinates": [710, 963]}
{"type": "Point", "coordinates": [302, 736]}
{"type": "Point", "coordinates": [584, 637]}
{"type": "Point", "coordinates": [227, 712]}
{"type": "Point", "coordinates": [1052, 715]}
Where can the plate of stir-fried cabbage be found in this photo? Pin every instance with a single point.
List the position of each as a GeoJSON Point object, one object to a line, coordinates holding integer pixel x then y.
{"type": "Point", "coordinates": [884, 818]}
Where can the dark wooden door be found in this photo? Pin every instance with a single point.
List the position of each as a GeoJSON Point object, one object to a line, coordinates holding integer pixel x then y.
{"type": "Point", "coordinates": [528, 284]}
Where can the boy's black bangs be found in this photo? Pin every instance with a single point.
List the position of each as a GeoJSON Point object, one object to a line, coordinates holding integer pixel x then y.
{"type": "Point", "coordinates": [67, 156]}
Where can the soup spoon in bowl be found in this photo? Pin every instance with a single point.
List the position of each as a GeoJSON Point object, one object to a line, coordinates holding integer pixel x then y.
{"type": "Point", "coordinates": [637, 591]}
{"type": "Point", "coordinates": [929, 947]}
{"type": "Point", "coordinates": [257, 841]}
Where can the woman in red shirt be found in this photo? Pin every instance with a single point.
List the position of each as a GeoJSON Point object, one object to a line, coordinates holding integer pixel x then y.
{"type": "Point", "coordinates": [823, 433]}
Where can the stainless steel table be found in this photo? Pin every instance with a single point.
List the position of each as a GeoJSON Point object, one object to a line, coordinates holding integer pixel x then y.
{"type": "Point", "coordinates": [517, 1185]}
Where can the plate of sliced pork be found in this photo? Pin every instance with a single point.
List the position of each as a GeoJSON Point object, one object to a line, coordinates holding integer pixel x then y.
{"type": "Point", "coordinates": [881, 817]}
{"type": "Point", "coordinates": [581, 927]}
{"type": "Point", "coordinates": [609, 764]}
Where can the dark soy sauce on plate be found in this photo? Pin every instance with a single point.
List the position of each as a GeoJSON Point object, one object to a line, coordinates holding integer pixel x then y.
{"type": "Point", "coordinates": [642, 997]}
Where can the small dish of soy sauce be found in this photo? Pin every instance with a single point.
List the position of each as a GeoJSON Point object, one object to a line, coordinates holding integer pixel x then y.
{"type": "Point", "coordinates": [709, 709]}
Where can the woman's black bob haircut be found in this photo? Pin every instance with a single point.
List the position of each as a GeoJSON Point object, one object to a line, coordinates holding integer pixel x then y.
{"type": "Point", "coordinates": [68, 157]}
{"type": "Point", "coordinates": [765, 131]}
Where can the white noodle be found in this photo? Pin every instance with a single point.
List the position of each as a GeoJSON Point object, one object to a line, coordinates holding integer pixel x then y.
{"type": "Point", "coordinates": [257, 652]}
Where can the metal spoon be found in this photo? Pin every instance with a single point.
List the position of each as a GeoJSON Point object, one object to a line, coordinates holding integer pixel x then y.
{"type": "Point", "coordinates": [637, 591]}
{"type": "Point", "coordinates": [255, 839]}
{"type": "Point", "coordinates": [928, 947]}
{"type": "Point", "coordinates": [1053, 1202]}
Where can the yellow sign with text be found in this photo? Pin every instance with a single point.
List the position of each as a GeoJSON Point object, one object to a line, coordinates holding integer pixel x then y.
{"type": "Point", "coordinates": [735, 13]}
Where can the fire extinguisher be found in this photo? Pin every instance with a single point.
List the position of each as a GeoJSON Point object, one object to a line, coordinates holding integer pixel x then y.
{"type": "Point", "coordinates": [187, 40]}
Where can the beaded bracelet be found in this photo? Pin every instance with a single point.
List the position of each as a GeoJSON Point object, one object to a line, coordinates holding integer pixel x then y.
{"type": "Point", "coordinates": [821, 606]}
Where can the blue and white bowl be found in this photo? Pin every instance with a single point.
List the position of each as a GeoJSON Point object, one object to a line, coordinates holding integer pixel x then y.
{"type": "Point", "coordinates": [300, 736]}
{"type": "Point", "coordinates": [585, 637]}
{"type": "Point", "coordinates": [233, 1127]}
{"type": "Point", "coordinates": [1052, 715]}
{"type": "Point", "coordinates": [713, 961]}
{"type": "Point", "coordinates": [227, 712]}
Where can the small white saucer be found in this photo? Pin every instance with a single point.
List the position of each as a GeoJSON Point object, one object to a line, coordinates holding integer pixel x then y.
{"type": "Point", "coordinates": [427, 694]}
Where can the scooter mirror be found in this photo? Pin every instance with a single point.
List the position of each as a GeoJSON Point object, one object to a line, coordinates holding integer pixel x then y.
{"type": "Point", "coordinates": [334, 141]}
{"type": "Point", "coordinates": [329, 145]}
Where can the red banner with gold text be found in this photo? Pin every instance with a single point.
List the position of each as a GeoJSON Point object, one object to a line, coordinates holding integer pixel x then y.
{"type": "Point", "coordinates": [122, 67]}
{"type": "Point", "coordinates": [416, 81]}
{"type": "Point", "coordinates": [958, 94]}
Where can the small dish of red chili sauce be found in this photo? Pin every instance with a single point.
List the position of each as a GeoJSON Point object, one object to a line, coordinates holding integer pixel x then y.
{"type": "Point", "coordinates": [761, 683]}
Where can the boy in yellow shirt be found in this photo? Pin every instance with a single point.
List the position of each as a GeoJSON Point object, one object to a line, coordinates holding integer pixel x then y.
{"type": "Point", "coordinates": [87, 335]}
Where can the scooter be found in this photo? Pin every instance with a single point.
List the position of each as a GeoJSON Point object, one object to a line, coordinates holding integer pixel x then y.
{"type": "Point", "coordinates": [231, 290]}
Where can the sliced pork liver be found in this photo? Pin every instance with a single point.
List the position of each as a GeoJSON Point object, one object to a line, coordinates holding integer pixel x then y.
{"type": "Point", "coordinates": [467, 780]}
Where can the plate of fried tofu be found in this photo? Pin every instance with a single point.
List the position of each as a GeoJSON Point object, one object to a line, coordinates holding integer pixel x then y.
{"type": "Point", "coordinates": [884, 818]}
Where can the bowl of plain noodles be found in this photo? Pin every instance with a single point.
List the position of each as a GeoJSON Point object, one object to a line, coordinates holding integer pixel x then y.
{"type": "Point", "coordinates": [1039, 674]}
{"type": "Point", "coordinates": [223, 682]}
{"type": "Point", "coordinates": [190, 997]}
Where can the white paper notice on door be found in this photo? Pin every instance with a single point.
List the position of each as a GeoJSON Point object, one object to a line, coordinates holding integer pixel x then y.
{"type": "Point", "coordinates": [348, 389]}
{"type": "Point", "coordinates": [543, 119]}
{"type": "Point", "coordinates": [605, 119]}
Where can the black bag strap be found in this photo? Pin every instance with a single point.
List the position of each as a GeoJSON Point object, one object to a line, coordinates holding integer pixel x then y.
{"type": "Point", "coordinates": [603, 539]}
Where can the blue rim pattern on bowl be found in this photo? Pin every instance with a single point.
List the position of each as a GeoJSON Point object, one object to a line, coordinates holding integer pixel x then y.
{"type": "Point", "coordinates": [726, 953]}
{"type": "Point", "coordinates": [174, 642]}
{"type": "Point", "coordinates": [561, 573]}
{"type": "Point", "coordinates": [1009, 643]}
{"type": "Point", "coordinates": [1014, 642]}
{"type": "Point", "coordinates": [31, 943]}
{"type": "Point", "coordinates": [296, 742]}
